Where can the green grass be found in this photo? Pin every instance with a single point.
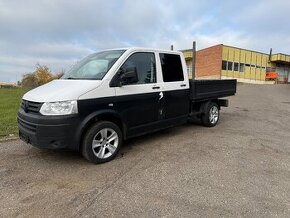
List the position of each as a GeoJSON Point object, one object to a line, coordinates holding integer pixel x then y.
{"type": "Point", "coordinates": [10, 99]}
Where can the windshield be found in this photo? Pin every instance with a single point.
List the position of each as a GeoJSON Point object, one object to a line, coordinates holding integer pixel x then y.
{"type": "Point", "coordinates": [94, 66]}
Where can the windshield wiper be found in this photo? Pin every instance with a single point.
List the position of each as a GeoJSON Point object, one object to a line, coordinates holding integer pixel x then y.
{"type": "Point", "coordinates": [72, 78]}
{"type": "Point", "coordinates": [75, 78]}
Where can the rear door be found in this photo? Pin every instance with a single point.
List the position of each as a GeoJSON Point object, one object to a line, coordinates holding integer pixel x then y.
{"type": "Point", "coordinates": [175, 86]}
{"type": "Point", "coordinates": [137, 102]}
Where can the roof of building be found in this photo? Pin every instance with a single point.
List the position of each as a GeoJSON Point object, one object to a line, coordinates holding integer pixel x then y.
{"type": "Point", "coordinates": [277, 57]}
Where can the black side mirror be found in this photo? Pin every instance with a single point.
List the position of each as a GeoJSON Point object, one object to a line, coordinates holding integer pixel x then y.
{"type": "Point", "coordinates": [125, 77]}
{"type": "Point", "coordinates": [129, 76]}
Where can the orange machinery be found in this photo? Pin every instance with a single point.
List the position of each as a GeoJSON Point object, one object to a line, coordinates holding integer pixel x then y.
{"type": "Point", "coordinates": [271, 75]}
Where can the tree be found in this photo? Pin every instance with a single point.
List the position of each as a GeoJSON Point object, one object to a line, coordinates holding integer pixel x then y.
{"type": "Point", "coordinates": [40, 76]}
{"type": "Point", "coordinates": [43, 74]}
{"type": "Point", "coordinates": [59, 75]}
{"type": "Point", "coordinates": [29, 80]}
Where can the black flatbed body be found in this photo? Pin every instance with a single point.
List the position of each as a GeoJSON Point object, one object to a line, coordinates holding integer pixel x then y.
{"type": "Point", "coordinates": [201, 90]}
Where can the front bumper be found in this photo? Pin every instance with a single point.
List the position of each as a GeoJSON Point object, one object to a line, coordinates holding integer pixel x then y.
{"type": "Point", "coordinates": [49, 132]}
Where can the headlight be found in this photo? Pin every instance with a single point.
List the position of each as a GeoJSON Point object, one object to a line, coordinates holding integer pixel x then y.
{"type": "Point", "coordinates": [59, 108]}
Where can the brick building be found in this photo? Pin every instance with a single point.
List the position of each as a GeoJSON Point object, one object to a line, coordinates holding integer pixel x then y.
{"type": "Point", "coordinates": [222, 61]}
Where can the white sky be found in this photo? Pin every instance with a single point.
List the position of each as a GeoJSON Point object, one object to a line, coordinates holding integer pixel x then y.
{"type": "Point", "coordinates": [59, 32]}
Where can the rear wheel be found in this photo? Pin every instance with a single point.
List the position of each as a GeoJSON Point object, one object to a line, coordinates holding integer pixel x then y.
{"type": "Point", "coordinates": [102, 142]}
{"type": "Point", "coordinates": [211, 114]}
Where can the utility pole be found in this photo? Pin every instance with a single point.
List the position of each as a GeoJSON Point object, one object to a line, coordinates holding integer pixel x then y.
{"type": "Point", "coordinates": [193, 59]}
{"type": "Point", "coordinates": [270, 56]}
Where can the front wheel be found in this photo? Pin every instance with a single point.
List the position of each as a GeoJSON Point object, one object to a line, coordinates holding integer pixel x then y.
{"type": "Point", "coordinates": [211, 114]}
{"type": "Point", "coordinates": [102, 142]}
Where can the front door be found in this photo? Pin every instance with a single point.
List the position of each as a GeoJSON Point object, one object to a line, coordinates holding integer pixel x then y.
{"type": "Point", "coordinates": [137, 101]}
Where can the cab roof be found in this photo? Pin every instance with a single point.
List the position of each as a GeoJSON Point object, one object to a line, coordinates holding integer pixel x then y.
{"type": "Point", "coordinates": [142, 49]}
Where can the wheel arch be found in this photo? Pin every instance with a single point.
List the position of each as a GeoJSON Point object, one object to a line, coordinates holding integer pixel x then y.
{"type": "Point", "coordinates": [104, 115]}
{"type": "Point", "coordinates": [205, 104]}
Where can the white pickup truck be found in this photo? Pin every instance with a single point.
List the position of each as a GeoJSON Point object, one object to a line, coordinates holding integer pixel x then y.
{"type": "Point", "coordinates": [114, 95]}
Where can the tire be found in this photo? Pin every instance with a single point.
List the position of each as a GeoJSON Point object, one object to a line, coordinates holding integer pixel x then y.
{"type": "Point", "coordinates": [102, 142]}
{"type": "Point", "coordinates": [211, 114]}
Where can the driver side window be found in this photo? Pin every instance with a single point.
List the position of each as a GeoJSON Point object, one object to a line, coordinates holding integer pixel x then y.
{"type": "Point", "coordinates": [145, 65]}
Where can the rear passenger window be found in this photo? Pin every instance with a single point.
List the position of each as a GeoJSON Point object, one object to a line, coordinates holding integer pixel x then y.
{"type": "Point", "coordinates": [171, 67]}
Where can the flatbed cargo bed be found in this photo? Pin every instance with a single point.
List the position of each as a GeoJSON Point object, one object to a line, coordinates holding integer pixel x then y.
{"type": "Point", "coordinates": [201, 90]}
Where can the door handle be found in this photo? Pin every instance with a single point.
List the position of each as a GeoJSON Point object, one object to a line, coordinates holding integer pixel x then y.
{"type": "Point", "coordinates": [155, 87]}
{"type": "Point", "coordinates": [182, 85]}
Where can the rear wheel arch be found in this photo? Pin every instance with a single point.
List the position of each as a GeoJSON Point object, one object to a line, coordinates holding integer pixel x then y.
{"type": "Point", "coordinates": [205, 104]}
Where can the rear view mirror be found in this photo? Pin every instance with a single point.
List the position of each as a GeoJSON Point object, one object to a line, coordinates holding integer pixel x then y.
{"type": "Point", "coordinates": [125, 77]}
{"type": "Point", "coordinates": [129, 76]}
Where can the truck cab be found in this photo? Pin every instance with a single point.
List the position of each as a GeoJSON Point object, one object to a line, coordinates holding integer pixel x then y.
{"type": "Point", "coordinates": [106, 98]}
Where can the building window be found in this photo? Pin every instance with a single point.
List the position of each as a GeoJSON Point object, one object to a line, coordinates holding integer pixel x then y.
{"type": "Point", "coordinates": [236, 66]}
{"type": "Point", "coordinates": [242, 67]}
{"type": "Point", "coordinates": [230, 66]}
{"type": "Point", "coordinates": [224, 65]}
{"type": "Point", "coordinates": [248, 65]}
{"type": "Point", "coordinates": [189, 70]}
{"type": "Point", "coordinates": [271, 69]}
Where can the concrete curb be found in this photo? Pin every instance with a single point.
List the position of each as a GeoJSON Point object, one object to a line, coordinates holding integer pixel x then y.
{"type": "Point", "coordinates": [9, 138]}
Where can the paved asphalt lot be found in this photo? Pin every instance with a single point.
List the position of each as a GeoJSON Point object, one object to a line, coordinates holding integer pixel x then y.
{"type": "Point", "coordinates": [240, 168]}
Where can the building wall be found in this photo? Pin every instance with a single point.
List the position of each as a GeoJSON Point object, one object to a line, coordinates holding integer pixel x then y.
{"type": "Point", "coordinates": [223, 61]}
{"type": "Point", "coordinates": [208, 62]}
{"type": "Point", "coordinates": [244, 64]}
{"type": "Point", "coordinates": [7, 85]}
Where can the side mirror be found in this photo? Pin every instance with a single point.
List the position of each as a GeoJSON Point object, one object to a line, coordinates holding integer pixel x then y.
{"type": "Point", "coordinates": [129, 76]}
{"type": "Point", "coordinates": [125, 77]}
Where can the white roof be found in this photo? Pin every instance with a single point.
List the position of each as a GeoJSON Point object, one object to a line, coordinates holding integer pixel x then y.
{"type": "Point", "coordinates": [145, 49]}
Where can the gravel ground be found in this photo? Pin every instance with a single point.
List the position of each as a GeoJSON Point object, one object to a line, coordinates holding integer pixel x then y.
{"type": "Point", "coordinates": [240, 168]}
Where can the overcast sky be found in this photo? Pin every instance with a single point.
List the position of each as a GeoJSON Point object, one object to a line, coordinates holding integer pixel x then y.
{"type": "Point", "coordinates": [58, 32]}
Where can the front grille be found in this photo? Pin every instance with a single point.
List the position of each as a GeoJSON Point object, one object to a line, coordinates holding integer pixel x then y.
{"type": "Point", "coordinates": [30, 107]}
{"type": "Point", "coordinates": [26, 125]}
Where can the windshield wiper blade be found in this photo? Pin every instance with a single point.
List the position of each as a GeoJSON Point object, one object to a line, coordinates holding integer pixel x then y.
{"type": "Point", "coordinates": [72, 78]}
{"type": "Point", "coordinates": [75, 78]}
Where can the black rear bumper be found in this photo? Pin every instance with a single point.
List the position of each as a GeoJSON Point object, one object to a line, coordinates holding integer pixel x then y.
{"type": "Point", "coordinates": [49, 132]}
